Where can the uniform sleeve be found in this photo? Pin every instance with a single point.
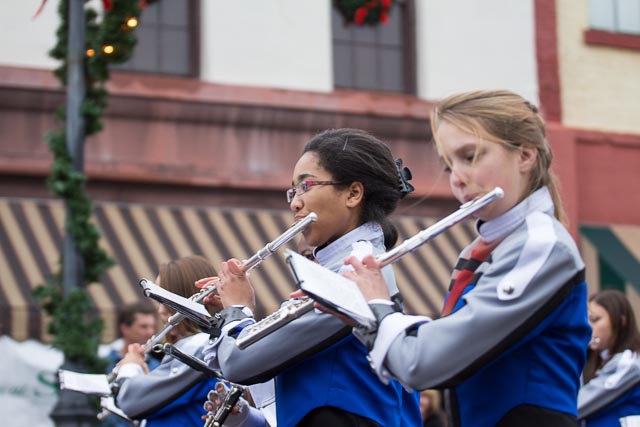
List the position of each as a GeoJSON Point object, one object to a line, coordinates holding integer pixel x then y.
{"type": "Point", "coordinates": [141, 395]}
{"type": "Point", "coordinates": [280, 349]}
{"type": "Point", "coordinates": [290, 344]}
{"type": "Point", "coordinates": [443, 352]}
{"type": "Point", "coordinates": [616, 378]}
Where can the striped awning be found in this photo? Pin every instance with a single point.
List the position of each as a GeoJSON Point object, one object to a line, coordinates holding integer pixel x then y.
{"type": "Point", "coordinates": [613, 253]}
{"type": "Point", "coordinates": [140, 237]}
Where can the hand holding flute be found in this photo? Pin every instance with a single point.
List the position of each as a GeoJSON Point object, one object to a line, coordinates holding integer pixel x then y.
{"type": "Point", "coordinates": [239, 270]}
{"type": "Point", "coordinates": [232, 286]}
{"type": "Point", "coordinates": [135, 354]}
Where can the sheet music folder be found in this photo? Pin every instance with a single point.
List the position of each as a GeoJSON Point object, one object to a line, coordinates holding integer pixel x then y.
{"type": "Point", "coordinates": [94, 384]}
{"type": "Point", "coordinates": [330, 289]}
{"type": "Point", "coordinates": [189, 308]}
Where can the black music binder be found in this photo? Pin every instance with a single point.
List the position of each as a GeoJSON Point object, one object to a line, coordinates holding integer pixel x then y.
{"type": "Point", "coordinates": [190, 309]}
{"type": "Point", "coordinates": [330, 289]}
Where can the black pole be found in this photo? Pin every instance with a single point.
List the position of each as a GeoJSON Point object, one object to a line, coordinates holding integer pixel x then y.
{"type": "Point", "coordinates": [73, 265]}
{"type": "Point", "coordinates": [74, 409]}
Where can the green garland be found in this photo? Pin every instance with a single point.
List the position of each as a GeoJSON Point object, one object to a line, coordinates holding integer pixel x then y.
{"type": "Point", "coordinates": [75, 327]}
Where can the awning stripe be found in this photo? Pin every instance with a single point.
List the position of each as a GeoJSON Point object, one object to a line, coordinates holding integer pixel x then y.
{"type": "Point", "coordinates": [278, 272]}
{"type": "Point", "coordinates": [17, 296]}
{"type": "Point", "coordinates": [172, 232]}
{"type": "Point", "coordinates": [150, 235]}
{"type": "Point", "coordinates": [163, 231]}
{"type": "Point", "coordinates": [10, 295]}
{"type": "Point", "coordinates": [184, 230]}
{"type": "Point", "coordinates": [140, 237]}
{"type": "Point", "coordinates": [34, 263]}
{"type": "Point", "coordinates": [46, 249]}
{"type": "Point", "coordinates": [411, 289]}
{"type": "Point", "coordinates": [614, 252]}
{"type": "Point", "coordinates": [432, 266]}
{"type": "Point", "coordinates": [629, 235]}
{"type": "Point", "coordinates": [133, 240]}
{"type": "Point", "coordinates": [109, 222]}
{"type": "Point", "coordinates": [30, 255]}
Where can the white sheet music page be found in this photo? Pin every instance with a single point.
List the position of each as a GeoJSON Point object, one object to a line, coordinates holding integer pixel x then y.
{"type": "Point", "coordinates": [330, 289]}
{"type": "Point", "coordinates": [84, 383]}
{"type": "Point", "coordinates": [109, 404]}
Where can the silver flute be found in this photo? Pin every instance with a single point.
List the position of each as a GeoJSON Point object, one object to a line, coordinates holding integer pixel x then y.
{"type": "Point", "coordinates": [246, 266]}
{"type": "Point", "coordinates": [300, 306]}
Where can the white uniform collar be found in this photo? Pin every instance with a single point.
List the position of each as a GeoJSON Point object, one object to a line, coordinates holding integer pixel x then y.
{"type": "Point", "coordinates": [539, 200]}
{"type": "Point", "coordinates": [369, 231]}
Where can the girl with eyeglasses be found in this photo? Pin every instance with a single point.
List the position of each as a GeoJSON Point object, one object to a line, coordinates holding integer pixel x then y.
{"type": "Point", "coordinates": [351, 181]}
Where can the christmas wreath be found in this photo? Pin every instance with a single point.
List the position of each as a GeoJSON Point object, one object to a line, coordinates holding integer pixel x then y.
{"type": "Point", "coordinates": [362, 12]}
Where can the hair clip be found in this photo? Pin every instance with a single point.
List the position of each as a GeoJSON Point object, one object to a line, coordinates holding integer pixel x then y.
{"type": "Point", "coordinates": [405, 176]}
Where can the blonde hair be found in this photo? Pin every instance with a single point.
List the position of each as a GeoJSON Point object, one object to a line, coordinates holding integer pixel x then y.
{"type": "Point", "coordinates": [506, 118]}
{"type": "Point", "coordinates": [178, 276]}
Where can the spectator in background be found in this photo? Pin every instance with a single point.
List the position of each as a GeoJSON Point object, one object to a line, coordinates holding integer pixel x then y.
{"type": "Point", "coordinates": [612, 372]}
{"type": "Point", "coordinates": [137, 323]}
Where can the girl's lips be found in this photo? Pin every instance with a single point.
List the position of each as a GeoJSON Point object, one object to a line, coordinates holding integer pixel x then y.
{"type": "Point", "coordinates": [469, 198]}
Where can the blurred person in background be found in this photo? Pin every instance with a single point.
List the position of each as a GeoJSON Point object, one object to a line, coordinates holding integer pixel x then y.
{"type": "Point", "coordinates": [612, 373]}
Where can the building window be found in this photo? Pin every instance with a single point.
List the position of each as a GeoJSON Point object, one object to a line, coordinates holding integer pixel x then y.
{"type": "Point", "coordinates": [616, 16]}
{"type": "Point", "coordinates": [380, 57]}
{"type": "Point", "coordinates": [167, 39]}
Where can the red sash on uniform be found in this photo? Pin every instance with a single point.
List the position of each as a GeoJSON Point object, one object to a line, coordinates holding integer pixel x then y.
{"type": "Point", "coordinates": [464, 272]}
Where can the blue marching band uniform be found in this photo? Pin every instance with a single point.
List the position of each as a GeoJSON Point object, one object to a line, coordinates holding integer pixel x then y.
{"type": "Point", "coordinates": [614, 393]}
{"type": "Point", "coordinates": [513, 346]}
{"type": "Point", "coordinates": [316, 361]}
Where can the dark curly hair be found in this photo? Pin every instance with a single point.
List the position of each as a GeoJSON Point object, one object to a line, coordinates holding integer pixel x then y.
{"type": "Point", "coordinates": [354, 155]}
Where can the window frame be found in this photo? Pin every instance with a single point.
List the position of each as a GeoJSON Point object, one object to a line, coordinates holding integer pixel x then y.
{"type": "Point", "coordinates": [193, 34]}
{"type": "Point", "coordinates": [408, 52]}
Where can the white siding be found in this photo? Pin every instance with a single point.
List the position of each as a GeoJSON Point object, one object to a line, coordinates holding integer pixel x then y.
{"type": "Point", "coordinates": [274, 43]}
{"type": "Point", "coordinates": [27, 41]}
{"type": "Point", "coordinates": [600, 84]}
{"type": "Point", "coordinates": [461, 44]}
{"type": "Point", "coordinates": [470, 44]}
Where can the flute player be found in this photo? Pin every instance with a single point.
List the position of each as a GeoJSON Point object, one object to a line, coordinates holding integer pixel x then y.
{"type": "Point", "coordinates": [350, 179]}
{"type": "Point", "coordinates": [512, 339]}
{"type": "Point", "coordinates": [172, 395]}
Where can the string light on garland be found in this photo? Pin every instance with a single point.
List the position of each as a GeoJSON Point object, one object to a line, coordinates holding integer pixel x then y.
{"type": "Point", "coordinates": [361, 12]}
{"type": "Point", "coordinates": [132, 22]}
{"type": "Point", "coordinates": [108, 49]}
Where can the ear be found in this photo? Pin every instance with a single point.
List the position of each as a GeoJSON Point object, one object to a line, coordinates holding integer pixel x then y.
{"type": "Point", "coordinates": [528, 158]}
{"type": "Point", "coordinates": [355, 195]}
{"type": "Point", "coordinates": [122, 328]}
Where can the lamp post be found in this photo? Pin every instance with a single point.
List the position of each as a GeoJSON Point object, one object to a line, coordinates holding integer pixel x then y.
{"type": "Point", "coordinates": [74, 409]}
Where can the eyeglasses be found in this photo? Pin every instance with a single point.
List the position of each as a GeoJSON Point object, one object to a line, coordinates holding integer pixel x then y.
{"type": "Point", "coordinates": [304, 186]}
